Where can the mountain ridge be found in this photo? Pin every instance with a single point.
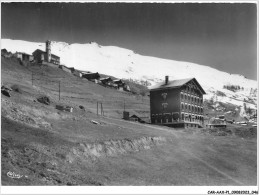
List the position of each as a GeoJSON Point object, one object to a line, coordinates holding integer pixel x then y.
{"type": "Point", "coordinates": [125, 63]}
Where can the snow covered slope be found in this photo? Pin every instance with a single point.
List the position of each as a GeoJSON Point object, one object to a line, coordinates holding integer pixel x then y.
{"type": "Point", "coordinates": [124, 63]}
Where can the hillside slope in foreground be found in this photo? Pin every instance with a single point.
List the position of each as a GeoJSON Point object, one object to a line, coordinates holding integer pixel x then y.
{"type": "Point", "coordinates": [45, 146]}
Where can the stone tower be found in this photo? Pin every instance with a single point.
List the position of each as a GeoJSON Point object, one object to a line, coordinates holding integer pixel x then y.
{"type": "Point", "coordinates": [48, 50]}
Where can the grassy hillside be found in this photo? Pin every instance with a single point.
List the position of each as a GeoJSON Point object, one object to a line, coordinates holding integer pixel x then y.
{"type": "Point", "coordinates": [74, 90]}
{"type": "Point", "coordinates": [52, 147]}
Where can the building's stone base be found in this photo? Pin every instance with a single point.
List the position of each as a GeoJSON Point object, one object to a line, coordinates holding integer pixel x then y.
{"type": "Point", "coordinates": [182, 125]}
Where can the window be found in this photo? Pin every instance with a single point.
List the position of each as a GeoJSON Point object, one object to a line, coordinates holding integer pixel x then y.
{"type": "Point", "coordinates": [181, 96]}
{"type": "Point", "coordinates": [189, 107]}
{"type": "Point", "coordinates": [182, 106]}
{"type": "Point", "coordinates": [186, 106]}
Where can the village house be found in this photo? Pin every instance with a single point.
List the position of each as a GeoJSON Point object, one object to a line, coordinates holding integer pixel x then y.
{"type": "Point", "coordinates": [41, 56]}
{"type": "Point", "coordinates": [216, 123]}
{"type": "Point", "coordinates": [106, 81]}
{"type": "Point", "coordinates": [92, 76]}
{"type": "Point", "coordinates": [119, 84]}
{"type": "Point", "coordinates": [24, 56]}
{"type": "Point", "coordinates": [177, 103]}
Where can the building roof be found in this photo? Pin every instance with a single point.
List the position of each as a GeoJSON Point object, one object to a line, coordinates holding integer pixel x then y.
{"type": "Point", "coordinates": [39, 51]}
{"type": "Point", "coordinates": [91, 75]}
{"type": "Point", "coordinates": [23, 53]}
{"type": "Point", "coordinates": [175, 84]}
{"type": "Point", "coordinates": [53, 55]}
{"type": "Point", "coordinates": [134, 116]}
{"type": "Point", "coordinates": [95, 73]}
{"type": "Point", "coordinates": [118, 81]}
{"type": "Point", "coordinates": [106, 79]}
{"type": "Point", "coordinates": [85, 72]}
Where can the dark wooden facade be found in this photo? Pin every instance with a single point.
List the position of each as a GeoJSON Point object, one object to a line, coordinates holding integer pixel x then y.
{"type": "Point", "coordinates": [177, 103]}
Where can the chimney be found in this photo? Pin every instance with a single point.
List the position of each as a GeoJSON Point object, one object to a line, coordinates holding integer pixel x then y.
{"type": "Point", "coordinates": [166, 80]}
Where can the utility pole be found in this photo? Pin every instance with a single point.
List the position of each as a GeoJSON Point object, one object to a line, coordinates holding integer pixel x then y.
{"type": "Point", "coordinates": [101, 109]}
{"type": "Point", "coordinates": [32, 78]}
{"type": "Point", "coordinates": [97, 108]}
{"type": "Point", "coordinates": [59, 90]}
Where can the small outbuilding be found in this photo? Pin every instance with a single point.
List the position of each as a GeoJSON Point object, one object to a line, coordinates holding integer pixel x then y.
{"type": "Point", "coordinates": [136, 119]}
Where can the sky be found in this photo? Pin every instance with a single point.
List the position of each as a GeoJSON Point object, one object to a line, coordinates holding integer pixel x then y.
{"type": "Point", "coordinates": [219, 35]}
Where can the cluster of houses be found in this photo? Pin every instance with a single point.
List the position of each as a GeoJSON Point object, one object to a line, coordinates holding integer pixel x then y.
{"type": "Point", "coordinates": [47, 58]}
{"type": "Point", "coordinates": [95, 77]}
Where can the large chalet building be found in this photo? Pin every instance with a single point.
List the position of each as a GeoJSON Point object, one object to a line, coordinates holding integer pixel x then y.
{"type": "Point", "coordinates": [177, 103]}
